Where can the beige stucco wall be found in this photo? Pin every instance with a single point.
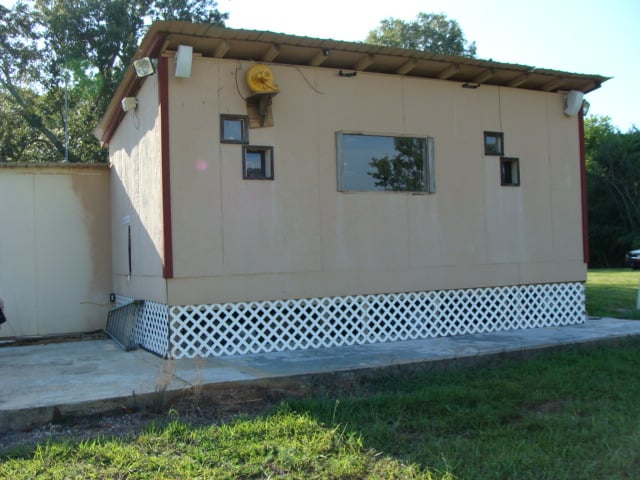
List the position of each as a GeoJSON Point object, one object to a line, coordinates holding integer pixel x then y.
{"type": "Point", "coordinates": [297, 236]}
{"type": "Point", "coordinates": [136, 192]}
{"type": "Point", "coordinates": [55, 254]}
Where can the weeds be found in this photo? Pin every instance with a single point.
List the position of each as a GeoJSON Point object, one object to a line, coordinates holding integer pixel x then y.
{"type": "Point", "coordinates": [282, 445]}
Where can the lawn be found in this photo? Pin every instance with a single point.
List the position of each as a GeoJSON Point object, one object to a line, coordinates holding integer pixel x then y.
{"type": "Point", "coordinates": [570, 414]}
{"type": "Point", "coordinates": [613, 293]}
{"type": "Point", "coordinates": [565, 414]}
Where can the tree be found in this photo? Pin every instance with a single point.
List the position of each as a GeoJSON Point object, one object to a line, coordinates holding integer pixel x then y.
{"type": "Point", "coordinates": [404, 171]}
{"type": "Point", "coordinates": [73, 53]}
{"type": "Point", "coordinates": [429, 32]}
{"type": "Point", "coordinates": [613, 180]}
{"type": "Point", "coordinates": [21, 65]}
{"type": "Point", "coordinates": [197, 11]}
{"type": "Point", "coordinates": [17, 139]}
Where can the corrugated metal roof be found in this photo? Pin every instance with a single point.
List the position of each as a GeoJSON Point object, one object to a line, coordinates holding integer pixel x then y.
{"type": "Point", "coordinates": [253, 45]}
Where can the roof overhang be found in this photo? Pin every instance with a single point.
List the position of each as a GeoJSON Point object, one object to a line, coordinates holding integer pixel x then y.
{"type": "Point", "coordinates": [251, 45]}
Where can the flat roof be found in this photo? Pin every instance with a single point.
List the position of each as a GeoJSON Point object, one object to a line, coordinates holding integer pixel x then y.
{"type": "Point", "coordinates": [269, 47]}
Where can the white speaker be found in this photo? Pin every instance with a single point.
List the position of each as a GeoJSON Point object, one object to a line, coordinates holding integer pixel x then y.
{"type": "Point", "coordinates": [183, 61]}
{"type": "Point", "coordinates": [573, 102]}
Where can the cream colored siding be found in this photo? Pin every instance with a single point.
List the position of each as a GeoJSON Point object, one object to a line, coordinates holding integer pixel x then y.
{"type": "Point", "coordinates": [196, 170]}
{"type": "Point", "coordinates": [55, 258]}
{"type": "Point", "coordinates": [297, 236]}
{"type": "Point", "coordinates": [136, 192]}
{"type": "Point", "coordinates": [565, 183]}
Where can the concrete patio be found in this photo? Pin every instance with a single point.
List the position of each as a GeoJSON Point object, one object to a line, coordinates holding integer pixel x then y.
{"type": "Point", "coordinates": [43, 382]}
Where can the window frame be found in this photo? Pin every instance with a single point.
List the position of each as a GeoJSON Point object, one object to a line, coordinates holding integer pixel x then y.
{"type": "Point", "coordinates": [267, 161]}
{"type": "Point", "coordinates": [244, 119]}
{"type": "Point", "coordinates": [428, 165]}
{"type": "Point", "coordinates": [488, 150]}
{"type": "Point", "coordinates": [514, 166]}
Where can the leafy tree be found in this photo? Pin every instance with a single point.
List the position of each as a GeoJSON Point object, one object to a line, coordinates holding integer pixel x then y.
{"type": "Point", "coordinates": [429, 32]}
{"type": "Point", "coordinates": [73, 52]}
{"type": "Point", "coordinates": [405, 170]}
{"type": "Point", "coordinates": [21, 75]}
{"type": "Point", "coordinates": [17, 139]}
{"type": "Point", "coordinates": [613, 179]}
{"type": "Point", "coordinates": [198, 11]}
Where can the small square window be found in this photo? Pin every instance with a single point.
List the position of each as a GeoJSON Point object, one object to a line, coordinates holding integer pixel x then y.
{"type": "Point", "coordinates": [493, 143]}
{"type": "Point", "coordinates": [509, 172]}
{"type": "Point", "coordinates": [234, 129]}
{"type": "Point", "coordinates": [257, 163]}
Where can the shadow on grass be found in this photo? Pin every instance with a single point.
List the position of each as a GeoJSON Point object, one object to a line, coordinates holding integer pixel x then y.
{"type": "Point", "coordinates": [570, 414]}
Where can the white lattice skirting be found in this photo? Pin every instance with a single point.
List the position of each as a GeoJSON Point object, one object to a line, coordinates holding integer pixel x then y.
{"type": "Point", "coordinates": [152, 325]}
{"type": "Point", "coordinates": [269, 326]}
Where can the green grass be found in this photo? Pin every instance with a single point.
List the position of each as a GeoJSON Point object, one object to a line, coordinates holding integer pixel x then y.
{"type": "Point", "coordinates": [284, 444]}
{"type": "Point", "coordinates": [613, 293]}
{"type": "Point", "coordinates": [569, 414]}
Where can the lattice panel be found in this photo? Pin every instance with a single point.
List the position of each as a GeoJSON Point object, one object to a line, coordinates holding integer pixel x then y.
{"type": "Point", "coordinates": [121, 301]}
{"type": "Point", "coordinates": [151, 330]}
{"type": "Point", "coordinates": [255, 327]}
{"type": "Point", "coordinates": [121, 324]}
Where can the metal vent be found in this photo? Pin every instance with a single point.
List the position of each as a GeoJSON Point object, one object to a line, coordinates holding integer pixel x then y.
{"type": "Point", "coordinates": [121, 323]}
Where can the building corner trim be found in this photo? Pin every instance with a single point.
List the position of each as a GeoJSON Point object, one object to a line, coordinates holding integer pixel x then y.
{"type": "Point", "coordinates": [583, 189]}
{"type": "Point", "coordinates": [163, 94]}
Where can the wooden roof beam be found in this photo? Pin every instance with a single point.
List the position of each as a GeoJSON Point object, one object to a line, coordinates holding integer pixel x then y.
{"type": "Point", "coordinates": [553, 84]}
{"type": "Point", "coordinates": [590, 86]}
{"type": "Point", "coordinates": [271, 54]}
{"type": "Point", "coordinates": [519, 80]}
{"type": "Point", "coordinates": [221, 49]}
{"type": "Point", "coordinates": [364, 63]}
{"type": "Point", "coordinates": [406, 67]}
{"type": "Point", "coordinates": [448, 72]}
{"type": "Point", "coordinates": [484, 76]}
{"type": "Point", "coordinates": [319, 58]}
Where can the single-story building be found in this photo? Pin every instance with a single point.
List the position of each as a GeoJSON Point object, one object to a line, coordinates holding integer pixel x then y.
{"type": "Point", "coordinates": [274, 192]}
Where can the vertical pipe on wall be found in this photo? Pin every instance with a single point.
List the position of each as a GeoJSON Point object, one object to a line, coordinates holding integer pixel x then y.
{"type": "Point", "coordinates": [163, 94]}
{"type": "Point", "coordinates": [583, 188]}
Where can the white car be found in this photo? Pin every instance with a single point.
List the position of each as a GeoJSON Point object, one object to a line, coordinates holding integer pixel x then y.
{"type": "Point", "coordinates": [632, 259]}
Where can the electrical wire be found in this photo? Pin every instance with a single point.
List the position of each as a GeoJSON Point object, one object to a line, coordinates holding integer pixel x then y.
{"type": "Point", "coordinates": [313, 87]}
{"type": "Point", "coordinates": [237, 85]}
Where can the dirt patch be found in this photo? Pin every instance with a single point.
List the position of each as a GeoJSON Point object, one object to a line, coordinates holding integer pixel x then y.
{"type": "Point", "coordinates": [199, 406]}
{"type": "Point", "coordinates": [44, 340]}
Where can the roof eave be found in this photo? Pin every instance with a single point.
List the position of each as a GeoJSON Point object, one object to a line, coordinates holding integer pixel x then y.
{"type": "Point", "coordinates": [254, 45]}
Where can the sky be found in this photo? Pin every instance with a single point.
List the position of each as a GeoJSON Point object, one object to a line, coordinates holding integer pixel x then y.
{"type": "Point", "coordinates": [580, 36]}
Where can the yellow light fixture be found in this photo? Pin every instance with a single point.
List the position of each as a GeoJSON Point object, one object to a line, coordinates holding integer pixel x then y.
{"type": "Point", "coordinates": [261, 81]}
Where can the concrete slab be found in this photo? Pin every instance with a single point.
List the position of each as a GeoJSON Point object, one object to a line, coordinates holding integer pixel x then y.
{"type": "Point", "coordinates": [42, 382]}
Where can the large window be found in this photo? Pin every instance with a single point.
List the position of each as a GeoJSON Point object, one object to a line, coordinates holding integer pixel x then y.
{"type": "Point", "coordinates": [385, 163]}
